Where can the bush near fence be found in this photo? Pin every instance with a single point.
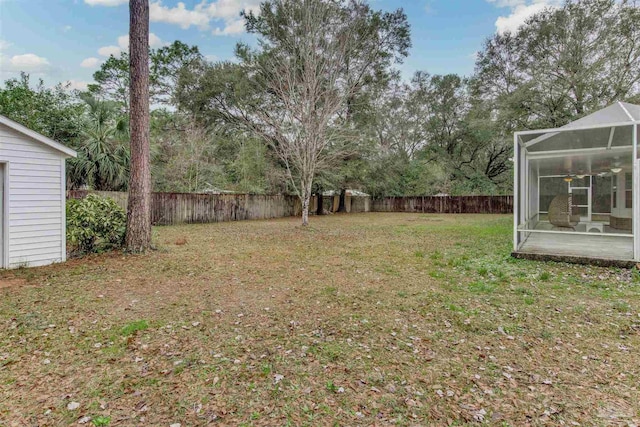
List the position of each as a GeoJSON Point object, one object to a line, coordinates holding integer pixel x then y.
{"type": "Point", "coordinates": [180, 208]}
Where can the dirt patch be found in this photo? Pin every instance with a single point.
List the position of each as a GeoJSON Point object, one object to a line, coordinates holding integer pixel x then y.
{"type": "Point", "coordinates": [181, 241]}
{"type": "Point", "coordinates": [11, 282]}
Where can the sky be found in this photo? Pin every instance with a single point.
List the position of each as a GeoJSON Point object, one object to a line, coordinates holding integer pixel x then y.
{"type": "Point", "coordinates": [67, 40]}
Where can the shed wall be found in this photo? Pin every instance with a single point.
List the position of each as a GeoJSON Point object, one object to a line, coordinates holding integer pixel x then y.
{"type": "Point", "coordinates": [35, 188]}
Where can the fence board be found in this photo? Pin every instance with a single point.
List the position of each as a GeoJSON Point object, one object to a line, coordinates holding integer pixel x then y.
{"type": "Point", "coordinates": [121, 198]}
{"type": "Point", "coordinates": [445, 204]}
{"type": "Point", "coordinates": [179, 208]}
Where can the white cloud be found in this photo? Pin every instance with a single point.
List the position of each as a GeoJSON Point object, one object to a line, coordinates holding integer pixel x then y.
{"type": "Point", "coordinates": [519, 15]}
{"type": "Point", "coordinates": [105, 2]}
{"type": "Point", "coordinates": [123, 42]}
{"type": "Point", "coordinates": [29, 62]}
{"type": "Point", "coordinates": [230, 9]}
{"type": "Point", "coordinates": [5, 44]}
{"type": "Point", "coordinates": [90, 62]}
{"type": "Point", "coordinates": [233, 27]}
{"type": "Point", "coordinates": [519, 12]}
{"type": "Point", "coordinates": [109, 50]}
{"type": "Point", "coordinates": [428, 8]}
{"type": "Point", "coordinates": [154, 42]}
{"type": "Point", "coordinates": [179, 15]}
{"type": "Point", "coordinates": [226, 12]}
{"type": "Point", "coordinates": [123, 45]}
{"type": "Point", "coordinates": [66, 28]}
{"type": "Point", "coordinates": [77, 84]}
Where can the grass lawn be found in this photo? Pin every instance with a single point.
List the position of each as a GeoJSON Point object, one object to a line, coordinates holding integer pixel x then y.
{"type": "Point", "coordinates": [367, 319]}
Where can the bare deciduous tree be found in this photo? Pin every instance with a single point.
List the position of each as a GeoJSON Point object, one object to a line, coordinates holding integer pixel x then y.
{"type": "Point", "coordinates": [314, 57]}
{"type": "Point", "coordinates": [190, 156]}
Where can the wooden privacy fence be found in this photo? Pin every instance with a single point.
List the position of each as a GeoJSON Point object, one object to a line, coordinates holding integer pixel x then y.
{"type": "Point", "coordinates": [121, 198]}
{"type": "Point", "coordinates": [179, 208]}
{"type": "Point", "coordinates": [445, 204]}
{"type": "Point", "coordinates": [176, 208]}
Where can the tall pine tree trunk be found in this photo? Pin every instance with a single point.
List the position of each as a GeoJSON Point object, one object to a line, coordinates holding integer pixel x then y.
{"type": "Point", "coordinates": [138, 238]}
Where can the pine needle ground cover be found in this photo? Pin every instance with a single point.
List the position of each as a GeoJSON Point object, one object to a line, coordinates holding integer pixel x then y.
{"type": "Point", "coordinates": [368, 319]}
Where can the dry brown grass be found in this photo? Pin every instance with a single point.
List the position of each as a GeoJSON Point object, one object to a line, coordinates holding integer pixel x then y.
{"type": "Point", "coordinates": [371, 319]}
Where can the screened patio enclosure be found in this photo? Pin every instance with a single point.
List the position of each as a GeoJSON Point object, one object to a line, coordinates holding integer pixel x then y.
{"type": "Point", "coordinates": [576, 188]}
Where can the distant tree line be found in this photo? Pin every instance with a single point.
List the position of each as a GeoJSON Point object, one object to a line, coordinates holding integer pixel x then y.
{"type": "Point", "coordinates": [319, 104]}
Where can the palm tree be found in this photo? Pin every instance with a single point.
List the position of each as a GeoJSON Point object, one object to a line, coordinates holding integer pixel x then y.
{"type": "Point", "coordinates": [103, 154]}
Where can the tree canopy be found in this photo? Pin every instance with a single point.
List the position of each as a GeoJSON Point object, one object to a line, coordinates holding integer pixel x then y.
{"type": "Point", "coordinates": [54, 112]}
{"type": "Point", "coordinates": [318, 103]}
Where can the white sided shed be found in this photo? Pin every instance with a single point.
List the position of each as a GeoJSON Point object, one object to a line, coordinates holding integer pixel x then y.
{"type": "Point", "coordinates": [32, 197]}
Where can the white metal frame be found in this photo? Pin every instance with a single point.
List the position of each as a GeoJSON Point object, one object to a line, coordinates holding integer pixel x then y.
{"type": "Point", "coordinates": [516, 183]}
{"type": "Point", "coordinates": [520, 154]}
{"type": "Point", "coordinates": [561, 153]}
{"type": "Point", "coordinates": [589, 204]}
{"type": "Point", "coordinates": [578, 233]}
{"type": "Point", "coordinates": [569, 189]}
{"type": "Point", "coordinates": [559, 130]}
{"type": "Point", "coordinates": [636, 193]}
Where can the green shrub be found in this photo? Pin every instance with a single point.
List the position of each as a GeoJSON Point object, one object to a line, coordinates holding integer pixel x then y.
{"type": "Point", "coordinates": [133, 327]}
{"type": "Point", "coordinates": [101, 421]}
{"type": "Point", "coordinates": [95, 224]}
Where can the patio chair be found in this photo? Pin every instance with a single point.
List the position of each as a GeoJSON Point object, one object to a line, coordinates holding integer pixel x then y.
{"type": "Point", "coordinates": [561, 212]}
